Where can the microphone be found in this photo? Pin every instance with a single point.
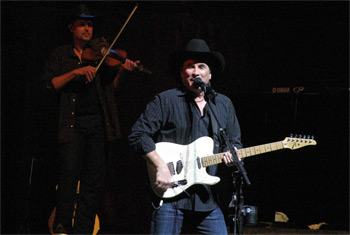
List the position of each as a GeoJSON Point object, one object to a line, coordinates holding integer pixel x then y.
{"type": "Point", "coordinates": [198, 82]}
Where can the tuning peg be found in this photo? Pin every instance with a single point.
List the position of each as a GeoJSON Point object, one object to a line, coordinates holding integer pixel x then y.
{"type": "Point", "coordinates": [296, 135]}
{"type": "Point", "coordinates": [308, 136]}
{"type": "Point", "coordinates": [291, 135]}
{"type": "Point", "coordinates": [300, 136]}
{"type": "Point", "coordinates": [312, 137]}
{"type": "Point", "coordinates": [304, 136]}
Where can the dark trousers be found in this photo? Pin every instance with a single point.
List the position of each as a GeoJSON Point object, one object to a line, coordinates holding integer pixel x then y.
{"type": "Point", "coordinates": [82, 159]}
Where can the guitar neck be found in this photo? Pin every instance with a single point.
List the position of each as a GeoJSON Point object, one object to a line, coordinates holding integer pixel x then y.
{"type": "Point", "coordinates": [243, 153]}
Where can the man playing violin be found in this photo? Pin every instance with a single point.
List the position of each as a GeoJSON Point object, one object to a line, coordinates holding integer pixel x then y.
{"type": "Point", "coordinates": [88, 119]}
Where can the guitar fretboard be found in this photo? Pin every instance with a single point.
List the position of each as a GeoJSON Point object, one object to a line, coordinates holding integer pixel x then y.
{"type": "Point", "coordinates": [242, 153]}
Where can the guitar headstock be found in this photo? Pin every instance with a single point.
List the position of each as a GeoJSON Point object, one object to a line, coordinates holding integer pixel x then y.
{"type": "Point", "coordinates": [298, 142]}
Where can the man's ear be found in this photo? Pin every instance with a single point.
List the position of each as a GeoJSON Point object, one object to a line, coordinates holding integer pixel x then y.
{"type": "Point", "coordinates": [209, 76]}
{"type": "Point", "coordinates": [70, 27]}
{"type": "Point", "coordinates": [181, 71]}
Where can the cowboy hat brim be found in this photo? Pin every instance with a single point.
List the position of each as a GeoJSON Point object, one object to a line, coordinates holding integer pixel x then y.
{"type": "Point", "coordinates": [80, 12]}
{"type": "Point", "coordinates": [213, 59]}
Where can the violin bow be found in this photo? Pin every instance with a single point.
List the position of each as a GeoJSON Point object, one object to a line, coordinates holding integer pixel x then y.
{"type": "Point", "coordinates": [112, 44]}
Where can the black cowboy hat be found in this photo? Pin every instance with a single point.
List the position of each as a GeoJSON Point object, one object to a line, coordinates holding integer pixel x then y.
{"type": "Point", "coordinates": [79, 12]}
{"type": "Point", "coordinates": [199, 50]}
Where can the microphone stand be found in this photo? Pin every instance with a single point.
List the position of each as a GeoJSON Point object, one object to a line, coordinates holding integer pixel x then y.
{"type": "Point", "coordinates": [237, 198]}
{"type": "Point", "coordinates": [236, 206]}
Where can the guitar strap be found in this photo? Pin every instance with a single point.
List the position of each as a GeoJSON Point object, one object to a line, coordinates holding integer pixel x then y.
{"type": "Point", "coordinates": [215, 127]}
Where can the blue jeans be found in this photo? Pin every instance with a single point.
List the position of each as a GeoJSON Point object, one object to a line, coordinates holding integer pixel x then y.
{"type": "Point", "coordinates": [170, 220]}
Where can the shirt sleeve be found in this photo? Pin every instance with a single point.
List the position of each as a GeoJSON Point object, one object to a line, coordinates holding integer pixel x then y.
{"type": "Point", "coordinates": [233, 129]}
{"type": "Point", "coordinates": [144, 129]}
{"type": "Point", "coordinates": [51, 70]}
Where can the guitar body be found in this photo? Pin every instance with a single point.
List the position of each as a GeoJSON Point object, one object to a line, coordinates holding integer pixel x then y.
{"type": "Point", "coordinates": [52, 218]}
{"type": "Point", "coordinates": [184, 162]}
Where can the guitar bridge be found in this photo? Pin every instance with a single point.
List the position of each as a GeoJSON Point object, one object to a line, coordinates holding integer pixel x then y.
{"type": "Point", "coordinates": [178, 183]}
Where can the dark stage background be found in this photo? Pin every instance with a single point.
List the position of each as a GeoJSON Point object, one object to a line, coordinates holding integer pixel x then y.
{"type": "Point", "coordinates": [266, 45]}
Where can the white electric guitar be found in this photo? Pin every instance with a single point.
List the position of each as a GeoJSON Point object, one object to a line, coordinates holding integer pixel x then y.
{"type": "Point", "coordinates": [187, 163]}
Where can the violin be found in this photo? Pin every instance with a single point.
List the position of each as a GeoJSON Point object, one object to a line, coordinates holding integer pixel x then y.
{"type": "Point", "coordinates": [96, 50]}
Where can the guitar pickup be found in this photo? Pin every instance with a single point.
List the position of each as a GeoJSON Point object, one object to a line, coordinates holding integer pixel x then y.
{"type": "Point", "coordinates": [179, 167]}
{"type": "Point", "coordinates": [171, 168]}
{"type": "Point", "coordinates": [199, 165]}
{"type": "Point", "coordinates": [180, 182]}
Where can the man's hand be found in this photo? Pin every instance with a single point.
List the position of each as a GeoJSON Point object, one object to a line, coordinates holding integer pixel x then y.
{"type": "Point", "coordinates": [228, 159]}
{"type": "Point", "coordinates": [163, 177]}
{"type": "Point", "coordinates": [88, 71]}
{"type": "Point", "coordinates": [129, 65]}
{"type": "Point", "coordinates": [160, 171]}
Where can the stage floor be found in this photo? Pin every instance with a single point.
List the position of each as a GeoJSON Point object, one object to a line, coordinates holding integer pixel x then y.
{"type": "Point", "coordinates": [278, 230]}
